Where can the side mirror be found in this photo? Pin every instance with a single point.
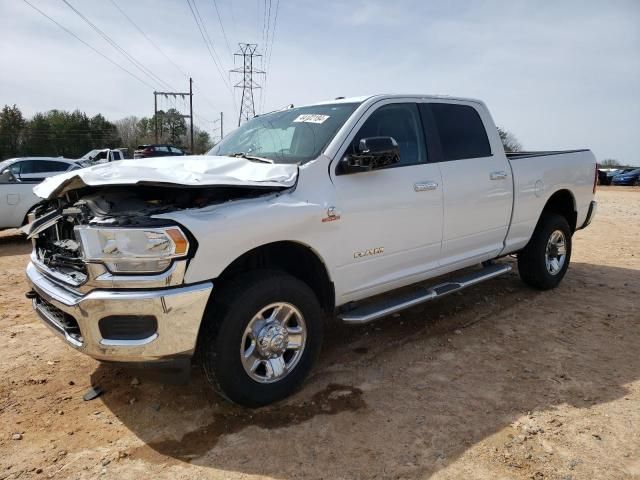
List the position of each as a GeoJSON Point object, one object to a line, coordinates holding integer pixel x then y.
{"type": "Point", "coordinates": [373, 153]}
{"type": "Point", "coordinates": [7, 177]}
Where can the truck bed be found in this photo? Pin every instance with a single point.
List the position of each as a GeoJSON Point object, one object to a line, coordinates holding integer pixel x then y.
{"type": "Point", "coordinates": [541, 153]}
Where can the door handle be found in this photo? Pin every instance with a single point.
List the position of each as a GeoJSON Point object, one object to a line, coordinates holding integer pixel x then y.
{"type": "Point", "coordinates": [501, 175]}
{"type": "Point", "coordinates": [424, 186]}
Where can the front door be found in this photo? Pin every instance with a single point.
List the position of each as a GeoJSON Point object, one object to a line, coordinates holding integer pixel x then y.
{"type": "Point", "coordinates": [390, 219]}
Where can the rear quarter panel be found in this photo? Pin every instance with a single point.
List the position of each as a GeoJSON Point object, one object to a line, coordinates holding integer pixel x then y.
{"type": "Point", "coordinates": [536, 179]}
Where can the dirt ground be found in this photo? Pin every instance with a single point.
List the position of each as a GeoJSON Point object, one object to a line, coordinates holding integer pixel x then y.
{"type": "Point", "coordinates": [500, 382]}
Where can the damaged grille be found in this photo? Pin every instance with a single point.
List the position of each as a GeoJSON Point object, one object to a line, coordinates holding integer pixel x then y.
{"type": "Point", "coordinates": [58, 249]}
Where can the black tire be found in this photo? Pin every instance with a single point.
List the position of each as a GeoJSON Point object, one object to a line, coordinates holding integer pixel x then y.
{"type": "Point", "coordinates": [532, 264]}
{"type": "Point", "coordinates": [227, 318]}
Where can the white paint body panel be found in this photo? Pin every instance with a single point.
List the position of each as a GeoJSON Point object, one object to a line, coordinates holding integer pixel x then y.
{"type": "Point", "coordinates": [424, 234]}
{"type": "Point", "coordinates": [188, 171]}
{"type": "Point", "coordinates": [467, 219]}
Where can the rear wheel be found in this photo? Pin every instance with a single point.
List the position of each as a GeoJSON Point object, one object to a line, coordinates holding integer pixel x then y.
{"type": "Point", "coordinates": [262, 336]}
{"type": "Point", "coordinates": [544, 261]}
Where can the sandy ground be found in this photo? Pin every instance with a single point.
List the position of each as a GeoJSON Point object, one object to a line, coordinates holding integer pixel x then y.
{"type": "Point", "coordinates": [501, 382]}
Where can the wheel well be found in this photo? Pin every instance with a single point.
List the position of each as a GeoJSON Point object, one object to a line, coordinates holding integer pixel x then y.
{"type": "Point", "coordinates": [293, 258]}
{"type": "Point", "coordinates": [563, 203]}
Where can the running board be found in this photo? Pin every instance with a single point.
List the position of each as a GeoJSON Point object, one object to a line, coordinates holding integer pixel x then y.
{"type": "Point", "coordinates": [370, 312]}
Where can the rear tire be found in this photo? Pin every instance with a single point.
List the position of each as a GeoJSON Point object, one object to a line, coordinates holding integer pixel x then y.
{"type": "Point", "coordinates": [544, 261]}
{"type": "Point", "coordinates": [262, 335]}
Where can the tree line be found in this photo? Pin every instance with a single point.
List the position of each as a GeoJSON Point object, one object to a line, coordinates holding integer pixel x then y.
{"type": "Point", "coordinates": [72, 134]}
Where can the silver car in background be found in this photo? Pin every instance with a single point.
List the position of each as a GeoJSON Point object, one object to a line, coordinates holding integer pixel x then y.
{"type": "Point", "coordinates": [18, 176]}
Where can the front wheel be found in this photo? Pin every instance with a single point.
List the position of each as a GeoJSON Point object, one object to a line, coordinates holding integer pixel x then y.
{"type": "Point", "coordinates": [262, 335]}
{"type": "Point", "coordinates": [543, 263]}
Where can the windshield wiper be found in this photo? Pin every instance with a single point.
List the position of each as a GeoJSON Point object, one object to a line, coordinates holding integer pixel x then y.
{"type": "Point", "coordinates": [249, 157]}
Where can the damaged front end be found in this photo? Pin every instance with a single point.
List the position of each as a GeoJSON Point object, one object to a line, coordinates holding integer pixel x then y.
{"type": "Point", "coordinates": [107, 270]}
{"type": "Point", "coordinates": [118, 228]}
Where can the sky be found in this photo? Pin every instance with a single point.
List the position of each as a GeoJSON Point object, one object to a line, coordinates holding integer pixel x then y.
{"type": "Point", "coordinates": [557, 74]}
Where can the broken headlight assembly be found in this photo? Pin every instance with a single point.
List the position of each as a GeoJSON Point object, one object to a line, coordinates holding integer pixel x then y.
{"type": "Point", "coordinates": [133, 250]}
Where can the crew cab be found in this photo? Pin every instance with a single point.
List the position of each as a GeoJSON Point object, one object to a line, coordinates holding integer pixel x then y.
{"type": "Point", "coordinates": [298, 216]}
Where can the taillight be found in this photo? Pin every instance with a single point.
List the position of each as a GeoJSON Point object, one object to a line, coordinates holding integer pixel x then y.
{"type": "Point", "coordinates": [595, 180]}
{"type": "Point", "coordinates": [148, 150]}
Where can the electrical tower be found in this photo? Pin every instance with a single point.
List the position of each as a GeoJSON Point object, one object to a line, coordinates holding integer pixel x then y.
{"type": "Point", "coordinates": [247, 84]}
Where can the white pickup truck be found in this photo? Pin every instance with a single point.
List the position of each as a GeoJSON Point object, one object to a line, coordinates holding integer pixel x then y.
{"type": "Point", "coordinates": [296, 217]}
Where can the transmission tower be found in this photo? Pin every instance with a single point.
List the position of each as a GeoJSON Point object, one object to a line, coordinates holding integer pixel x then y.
{"type": "Point", "coordinates": [247, 84]}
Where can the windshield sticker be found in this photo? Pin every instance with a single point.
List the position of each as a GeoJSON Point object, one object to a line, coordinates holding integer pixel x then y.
{"type": "Point", "coordinates": [311, 118]}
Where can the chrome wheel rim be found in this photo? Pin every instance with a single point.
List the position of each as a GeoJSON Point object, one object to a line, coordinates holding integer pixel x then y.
{"type": "Point", "coordinates": [273, 342]}
{"type": "Point", "coordinates": [556, 252]}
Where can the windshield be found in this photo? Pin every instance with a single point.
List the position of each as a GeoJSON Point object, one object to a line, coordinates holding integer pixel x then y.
{"type": "Point", "coordinates": [296, 135]}
{"type": "Point", "coordinates": [89, 155]}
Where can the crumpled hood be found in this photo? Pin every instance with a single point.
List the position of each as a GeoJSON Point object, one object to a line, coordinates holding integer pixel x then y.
{"type": "Point", "coordinates": [188, 171]}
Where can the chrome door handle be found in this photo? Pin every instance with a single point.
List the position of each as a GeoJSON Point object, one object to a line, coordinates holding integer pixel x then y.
{"type": "Point", "coordinates": [498, 175]}
{"type": "Point", "coordinates": [424, 186]}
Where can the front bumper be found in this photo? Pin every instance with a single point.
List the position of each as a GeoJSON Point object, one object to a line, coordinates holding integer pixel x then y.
{"type": "Point", "coordinates": [75, 317]}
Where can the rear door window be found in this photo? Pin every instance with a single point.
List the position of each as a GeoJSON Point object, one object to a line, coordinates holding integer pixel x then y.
{"type": "Point", "coordinates": [460, 130]}
{"type": "Point", "coordinates": [43, 166]}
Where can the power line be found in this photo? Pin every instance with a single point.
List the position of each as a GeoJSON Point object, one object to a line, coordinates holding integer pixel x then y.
{"type": "Point", "coordinates": [160, 50]}
{"type": "Point", "coordinates": [212, 53]}
{"type": "Point", "coordinates": [215, 4]}
{"type": "Point", "coordinates": [115, 45]}
{"type": "Point", "coordinates": [89, 45]}
{"type": "Point", "coordinates": [148, 38]}
{"type": "Point", "coordinates": [269, 52]}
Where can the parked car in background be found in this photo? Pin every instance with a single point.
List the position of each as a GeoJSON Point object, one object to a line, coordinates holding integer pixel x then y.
{"type": "Point", "coordinates": [17, 179]}
{"type": "Point", "coordinates": [157, 150]}
{"type": "Point", "coordinates": [605, 176]}
{"type": "Point", "coordinates": [627, 177]}
{"type": "Point", "coordinates": [102, 155]}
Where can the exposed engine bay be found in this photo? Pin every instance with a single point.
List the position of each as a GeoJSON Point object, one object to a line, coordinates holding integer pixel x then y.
{"type": "Point", "coordinates": [58, 247]}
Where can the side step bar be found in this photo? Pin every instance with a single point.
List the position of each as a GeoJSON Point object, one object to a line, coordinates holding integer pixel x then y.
{"type": "Point", "coordinates": [368, 313]}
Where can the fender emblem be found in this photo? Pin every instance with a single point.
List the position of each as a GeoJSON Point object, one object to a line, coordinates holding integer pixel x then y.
{"type": "Point", "coordinates": [368, 252]}
{"type": "Point", "coordinates": [332, 215]}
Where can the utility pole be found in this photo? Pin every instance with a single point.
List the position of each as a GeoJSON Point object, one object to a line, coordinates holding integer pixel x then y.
{"type": "Point", "coordinates": [175, 94]}
{"type": "Point", "coordinates": [155, 113]}
{"type": "Point", "coordinates": [221, 125]}
{"type": "Point", "coordinates": [191, 110]}
{"type": "Point", "coordinates": [247, 84]}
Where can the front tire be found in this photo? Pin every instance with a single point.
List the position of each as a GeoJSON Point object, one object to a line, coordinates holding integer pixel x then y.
{"type": "Point", "coordinates": [263, 333]}
{"type": "Point", "coordinates": [544, 261]}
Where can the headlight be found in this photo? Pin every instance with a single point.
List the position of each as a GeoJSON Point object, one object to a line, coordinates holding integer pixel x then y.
{"type": "Point", "coordinates": [133, 250]}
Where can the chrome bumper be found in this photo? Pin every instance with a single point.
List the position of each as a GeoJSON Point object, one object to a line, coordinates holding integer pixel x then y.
{"type": "Point", "coordinates": [178, 312]}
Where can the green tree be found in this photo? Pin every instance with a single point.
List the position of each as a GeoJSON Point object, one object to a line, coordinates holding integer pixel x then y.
{"type": "Point", "coordinates": [12, 124]}
{"type": "Point", "coordinates": [609, 163]}
{"type": "Point", "coordinates": [145, 131]}
{"type": "Point", "coordinates": [509, 141]}
{"type": "Point", "coordinates": [201, 142]}
{"type": "Point", "coordinates": [174, 126]}
{"type": "Point", "coordinates": [37, 136]}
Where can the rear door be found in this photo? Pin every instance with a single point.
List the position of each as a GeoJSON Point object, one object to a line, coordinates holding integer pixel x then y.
{"type": "Point", "coordinates": [478, 188]}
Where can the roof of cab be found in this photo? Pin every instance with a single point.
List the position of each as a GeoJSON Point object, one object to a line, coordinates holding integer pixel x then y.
{"type": "Point", "coordinates": [383, 96]}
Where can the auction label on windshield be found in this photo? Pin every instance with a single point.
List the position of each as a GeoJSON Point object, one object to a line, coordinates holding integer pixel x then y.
{"type": "Point", "coordinates": [311, 118]}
